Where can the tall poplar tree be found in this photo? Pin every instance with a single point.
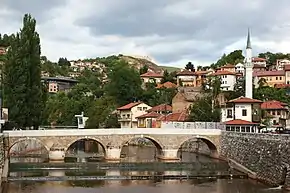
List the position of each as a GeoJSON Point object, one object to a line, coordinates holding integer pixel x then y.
{"type": "Point", "coordinates": [23, 90]}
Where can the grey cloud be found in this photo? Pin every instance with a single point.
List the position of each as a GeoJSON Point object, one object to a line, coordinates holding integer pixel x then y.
{"type": "Point", "coordinates": [37, 8]}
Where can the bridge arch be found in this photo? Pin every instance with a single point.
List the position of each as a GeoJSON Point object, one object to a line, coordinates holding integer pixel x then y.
{"type": "Point", "coordinates": [210, 144]}
{"type": "Point", "coordinates": [10, 150]}
{"type": "Point", "coordinates": [97, 141]}
{"type": "Point", "coordinates": [158, 145]}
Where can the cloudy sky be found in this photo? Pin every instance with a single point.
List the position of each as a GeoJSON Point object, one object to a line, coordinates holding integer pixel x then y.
{"type": "Point", "coordinates": [172, 32]}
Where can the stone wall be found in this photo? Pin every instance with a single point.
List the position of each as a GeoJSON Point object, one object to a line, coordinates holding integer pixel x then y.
{"type": "Point", "coordinates": [267, 155]}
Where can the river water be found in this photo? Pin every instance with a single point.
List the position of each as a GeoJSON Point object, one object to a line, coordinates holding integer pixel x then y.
{"type": "Point", "coordinates": [134, 154]}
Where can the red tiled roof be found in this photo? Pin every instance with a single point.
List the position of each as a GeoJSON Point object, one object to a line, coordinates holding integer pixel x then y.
{"type": "Point", "coordinates": [228, 66]}
{"type": "Point", "coordinates": [162, 107]}
{"type": "Point", "coordinates": [129, 106]}
{"type": "Point", "coordinates": [150, 115]}
{"type": "Point", "coordinates": [167, 85]}
{"type": "Point", "coordinates": [151, 74]}
{"type": "Point", "coordinates": [269, 73]}
{"type": "Point", "coordinates": [273, 105]}
{"type": "Point", "coordinates": [239, 122]}
{"type": "Point", "coordinates": [257, 59]}
{"type": "Point", "coordinates": [222, 72]}
{"type": "Point", "coordinates": [181, 117]}
{"type": "Point", "coordinates": [201, 72]}
{"type": "Point", "coordinates": [245, 100]}
{"type": "Point", "coordinates": [287, 67]}
{"type": "Point", "coordinates": [282, 85]}
{"type": "Point", "coordinates": [186, 73]}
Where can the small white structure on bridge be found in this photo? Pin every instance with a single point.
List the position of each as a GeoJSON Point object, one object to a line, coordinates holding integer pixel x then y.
{"type": "Point", "coordinates": [81, 120]}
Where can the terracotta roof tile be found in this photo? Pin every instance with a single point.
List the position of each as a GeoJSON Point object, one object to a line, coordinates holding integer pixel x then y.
{"type": "Point", "coordinates": [240, 122]}
{"type": "Point", "coordinates": [269, 73]}
{"type": "Point", "coordinates": [228, 66]}
{"type": "Point", "coordinates": [150, 115]}
{"type": "Point", "coordinates": [245, 100]}
{"type": "Point", "coordinates": [201, 72]}
{"type": "Point", "coordinates": [186, 73]}
{"type": "Point", "coordinates": [167, 85]}
{"type": "Point", "coordinates": [257, 59]}
{"type": "Point", "coordinates": [282, 85]}
{"type": "Point", "coordinates": [273, 105]}
{"type": "Point", "coordinates": [162, 107]}
{"type": "Point", "coordinates": [287, 67]}
{"type": "Point", "coordinates": [222, 72]}
{"type": "Point", "coordinates": [181, 117]}
{"type": "Point", "coordinates": [151, 74]}
{"type": "Point", "coordinates": [129, 106]}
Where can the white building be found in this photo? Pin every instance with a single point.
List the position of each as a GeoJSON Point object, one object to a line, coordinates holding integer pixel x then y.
{"type": "Point", "coordinates": [127, 114]}
{"type": "Point", "coordinates": [240, 108]}
{"type": "Point", "coordinates": [151, 77]}
{"type": "Point", "coordinates": [259, 61]}
{"type": "Point", "coordinates": [228, 79]}
{"type": "Point", "coordinates": [240, 68]}
{"type": "Point", "coordinates": [281, 63]}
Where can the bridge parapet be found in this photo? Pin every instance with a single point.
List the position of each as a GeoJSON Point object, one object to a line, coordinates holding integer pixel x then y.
{"type": "Point", "coordinates": [167, 141]}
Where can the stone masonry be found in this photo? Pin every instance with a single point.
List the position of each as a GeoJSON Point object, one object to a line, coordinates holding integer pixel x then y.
{"type": "Point", "coordinates": [112, 144]}
{"type": "Point", "coordinates": [266, 155]}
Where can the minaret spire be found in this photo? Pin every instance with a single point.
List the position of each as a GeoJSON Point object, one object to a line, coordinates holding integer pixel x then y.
{"type": "Point", "coordinates": [249, 68]}
{"type": "Point", "coordinates": [249, 46]}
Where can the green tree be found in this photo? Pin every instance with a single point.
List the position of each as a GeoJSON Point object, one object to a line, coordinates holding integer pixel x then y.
{"type": "Point", "coordinates": [124, 83]}
{"type": "Point", "coordinates": [23, 94]}
{"type": "Point", "coordinates": [189, 66]}
{"type": "Point", "coordinates": [63, 62]}
{"type": "Point", "coordinates": [203, 110]}
{"type": "Point", "coordinates": [143, 70]}
{"type": "Point", "coordinates": [232, 58]}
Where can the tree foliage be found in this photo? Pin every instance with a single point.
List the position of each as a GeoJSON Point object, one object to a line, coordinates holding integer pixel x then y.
{"type": "Point", "coordinates": [22, 76]}
{"type": "Point", "coordinates": [234, 57]}
{"type": "Point", "coordinates": [190, 66]}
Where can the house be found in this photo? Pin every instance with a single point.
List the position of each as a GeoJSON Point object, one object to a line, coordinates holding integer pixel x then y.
{"type": "Point", "coordinates": [151, 77]}
{"type": "Point", "coordinates": [56, 84]}
{"type": "Point", "coordinates": [161, 109]}
{"type": "Point", "coordinates": [228, 67]}
{"type": "Point", "coordinates": [280, 63]}
{"type": "Point", "coordinates": [3, 50]}
{"type": "Point", "coordinates": [276, 111]}
{"type": "Point", "coordinates": [166, 85]}
{"type": "Point", "coordinates": [287, 74]}
{"type": "Point", "coordinates": [259, 61]}
{"type": "Point", "coordinates": [127, 114]}
{"type": "Point", "coordinates": [258, 68]}
{"type": "Point", "coordinates": [242, 114]}
{"type": "Point", "coordinates": [201, 77]}
{"type": "Point", "coordinates": [228, 79]}
{"type": "Point", "coordinates": [148, 120]}
{"type": "Point", "coordinates": [272, 78]}
{"type": "Point", "coordinates": [240, 68]}
{"type": "Point", "coordinates": [172, 117]}
{"type": "Point", "coordinates": [241, 108]}
{"type": "Point", "coordinates": [186, 78]}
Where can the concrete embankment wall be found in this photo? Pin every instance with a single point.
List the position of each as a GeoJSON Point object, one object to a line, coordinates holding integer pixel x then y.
{"type": "Point", "coordinates": [263, 156]}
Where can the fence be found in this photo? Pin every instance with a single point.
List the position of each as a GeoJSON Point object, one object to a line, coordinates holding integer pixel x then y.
{"type": "Point", "coordinates": [193, 125]}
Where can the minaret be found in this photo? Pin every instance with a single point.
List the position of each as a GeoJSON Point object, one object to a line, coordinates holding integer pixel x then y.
{"type": "Point", "coordinates": [249, 68]}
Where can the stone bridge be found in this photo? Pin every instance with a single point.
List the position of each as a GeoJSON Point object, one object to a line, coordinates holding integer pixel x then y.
{"type": "Point", "coordinates": [167, 141]}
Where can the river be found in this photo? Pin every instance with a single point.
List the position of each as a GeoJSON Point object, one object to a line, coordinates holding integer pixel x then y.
{"type": "Point", "coordinates": [134, 154]}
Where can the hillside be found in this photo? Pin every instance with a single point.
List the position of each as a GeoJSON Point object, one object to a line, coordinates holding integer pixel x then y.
{"type": "Point", "coordinates": [139, 63]}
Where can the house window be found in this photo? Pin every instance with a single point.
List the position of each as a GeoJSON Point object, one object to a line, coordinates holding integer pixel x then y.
{"type": "Point", "coordinates": [139, 108]}
{"type": "Point", "coordinates": [276, 78]}
{"type": "Point", "coordinates": [278, 113]}
{"type": "Point", "coordinates": [144, 108]}
{"type": "Point", "coordinates": [243, 129]}
{"type": "Point", "coordinates": [248, 129]}
{"type": "Point", "coordinates": [244, 112]}
{"type": "Point", "coordinates": [228, 128]}
{"type": "Point", "coordinates": [280, 77]}
{"type": "Point", "coordinates": [273, 113]}
{"type": "Point", "coordinates": [229, 113]}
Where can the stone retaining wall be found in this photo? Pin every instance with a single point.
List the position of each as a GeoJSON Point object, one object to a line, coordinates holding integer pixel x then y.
{"type": "Point", "coordinates": [267, 155]}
